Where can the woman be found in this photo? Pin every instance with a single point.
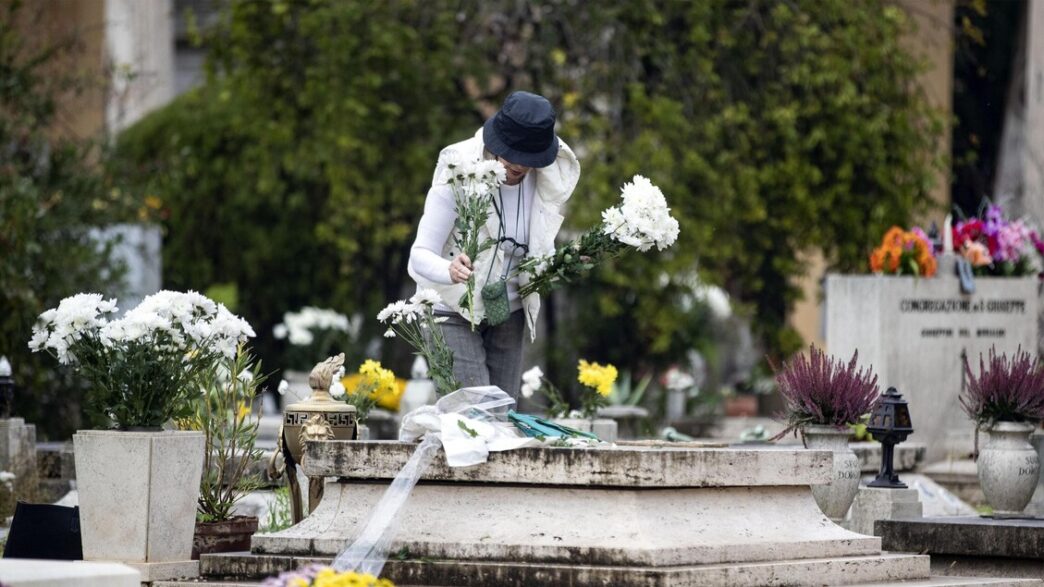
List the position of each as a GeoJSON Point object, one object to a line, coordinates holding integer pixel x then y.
{"type": "Point", "coordinates": [541, 174]}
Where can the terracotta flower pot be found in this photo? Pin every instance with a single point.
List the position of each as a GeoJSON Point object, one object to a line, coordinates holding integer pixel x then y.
{"type": "Point", "coordinates": [741, 405]}
{"type": "Point", "coordinates": [226, 536]}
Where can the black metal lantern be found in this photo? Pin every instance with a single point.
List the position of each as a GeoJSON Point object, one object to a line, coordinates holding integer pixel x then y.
{"type": "Point", "coordinates": [890, 424]}
{"type": "Point", "coordinates": [6, 388]}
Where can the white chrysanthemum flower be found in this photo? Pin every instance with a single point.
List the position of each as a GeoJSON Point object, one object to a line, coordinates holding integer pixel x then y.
{"type": "Point", "coordinates": [426, 296]}
{"type": "Point", "coordinates": [301, 337]}
{"type": "Point", "coordinates": [135, 325]}
{"type": "Point", "coordinates": [39, 339]}
{"type": "Point", "coordinates": [677, 379]}
{"type": "Point", "coordinates": [283, 387]}
{"type": "Point", "coordinates": [531, 381]}
{"type": "Point", "coordinates": [643, 220]}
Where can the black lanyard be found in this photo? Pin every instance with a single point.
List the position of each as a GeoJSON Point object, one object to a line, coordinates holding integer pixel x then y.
{"type": "Point", "coordinates": [502, 229]}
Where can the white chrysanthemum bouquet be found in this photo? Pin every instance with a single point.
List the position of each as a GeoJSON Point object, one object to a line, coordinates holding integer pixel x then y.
{"type": "Point", "coordinates": [640, 222]}
{"type": "Point", "coordinates": [312, 334]}
{"type": "Point", "coordinates": [144, 367]}
{"type": "Point", "coordinates": [414, 320]}
{"type": "Point", "coordinates": [473, 184]}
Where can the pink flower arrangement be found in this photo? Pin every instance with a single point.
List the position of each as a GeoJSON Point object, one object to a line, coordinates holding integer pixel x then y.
{"type": "Point", "coordinates": [996, 246]}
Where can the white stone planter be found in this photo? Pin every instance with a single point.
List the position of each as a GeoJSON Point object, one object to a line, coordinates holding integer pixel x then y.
{"type": "Point", "coordinates": [836, 497]}
{"type": "Point", "coordinates": [1008, 468]}
{"type": "Point", "coordinates": [137, 494]}
{"type": "Point", "coordinates": [604, 428]}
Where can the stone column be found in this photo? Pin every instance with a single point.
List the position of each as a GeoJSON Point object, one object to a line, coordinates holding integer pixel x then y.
{"type": "Point", "coordinates": [17, 457]}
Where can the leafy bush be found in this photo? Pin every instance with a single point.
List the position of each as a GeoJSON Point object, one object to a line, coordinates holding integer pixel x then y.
{"type": "Point", "coordinates": [773, 128]}
{"type": "Point", "coordinates": [51, 196]}
{"type": "Point", "coordinates": [299, 170]}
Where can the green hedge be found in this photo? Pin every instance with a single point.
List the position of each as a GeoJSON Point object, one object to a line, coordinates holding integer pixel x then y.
{"type": "Point", "coordinates": [298, 170]}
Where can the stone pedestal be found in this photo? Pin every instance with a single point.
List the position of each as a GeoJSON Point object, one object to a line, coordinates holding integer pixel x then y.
{"type": "Point", "coordinates": [971, 546]}
{"type": "Point", "coordinates": [914, 331]}
{"type": "Point", "coordinates": [622, 516]}
{"type": "Point", "coordinates": [17, 456]}
{"type": "Point", "coordinates": [876, 503]}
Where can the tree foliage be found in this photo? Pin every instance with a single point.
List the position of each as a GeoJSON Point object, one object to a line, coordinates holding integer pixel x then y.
{"type": "Point", "coordinates": [298, 170]}
{"type": "Point", "coordinates": [51, 196]}
{"type": "Point", "coordinates": [775, 128]}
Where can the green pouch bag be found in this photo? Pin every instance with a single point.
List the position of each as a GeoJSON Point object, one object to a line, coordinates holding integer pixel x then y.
{"type": "Point", "coordinates": [495, 298]}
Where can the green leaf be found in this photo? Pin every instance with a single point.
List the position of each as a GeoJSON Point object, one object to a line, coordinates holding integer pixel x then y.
{"type": "Point", "coordinates": [465, 428]}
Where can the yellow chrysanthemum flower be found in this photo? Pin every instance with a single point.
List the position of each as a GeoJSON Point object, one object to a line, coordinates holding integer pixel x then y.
{"type": "Point", "coordinates": [387, 390]}
{"type": "Point", "coordinates": [328, 577]}
{"type": "Point", "coordinates": [598, 377]}
{"type": "Point", "coordinates": [242, 411]}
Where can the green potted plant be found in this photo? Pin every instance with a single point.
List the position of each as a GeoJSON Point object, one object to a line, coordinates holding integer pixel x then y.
{"type": "Point", "coordinates": [144, 369]}
{"type": "Point", "coordinates": [223, 413]}
{"type": "Point", "coordinates": [824, 397]}
{"type": "Point", "coordinates": [1006, 399]}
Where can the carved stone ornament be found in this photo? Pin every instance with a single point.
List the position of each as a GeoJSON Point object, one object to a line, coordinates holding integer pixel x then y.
{"type": "Point", "coordinates": [316, 428]}
{"type": "Point", "coordinates": [322, 374]}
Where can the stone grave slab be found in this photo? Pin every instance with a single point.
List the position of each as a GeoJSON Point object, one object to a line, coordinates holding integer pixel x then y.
{"type": "Point", "coordinates": [623, 516]}
{"type": "Point", "coordinates": [971, 545]}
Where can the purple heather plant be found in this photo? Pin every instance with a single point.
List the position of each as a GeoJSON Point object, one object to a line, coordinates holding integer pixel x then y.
{"type": "Point", "coordinates": [1006, 390]}
{"type": "Point", "coordinates": [821, 390]}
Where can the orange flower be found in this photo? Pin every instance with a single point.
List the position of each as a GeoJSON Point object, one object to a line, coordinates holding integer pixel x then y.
{"type": "Point", "coordinates": [893, 237]}
{"type": "Point", "coordinates": [877, 260]}
{"type": "Point", "coordinates": [929, 266]}
{"type": "Point", "coordinates": [893, 255]}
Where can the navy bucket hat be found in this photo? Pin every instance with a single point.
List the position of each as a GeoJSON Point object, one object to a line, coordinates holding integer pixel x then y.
{"type": "Point", "coordinates": [523, 131]}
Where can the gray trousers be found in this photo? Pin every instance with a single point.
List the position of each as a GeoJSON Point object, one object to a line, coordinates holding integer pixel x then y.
{"type": "Point", "coordinates": [491, 355]}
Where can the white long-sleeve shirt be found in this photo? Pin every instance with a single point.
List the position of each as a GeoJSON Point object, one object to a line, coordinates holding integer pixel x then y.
{"type": "Point", "coordinates": [436, 225]}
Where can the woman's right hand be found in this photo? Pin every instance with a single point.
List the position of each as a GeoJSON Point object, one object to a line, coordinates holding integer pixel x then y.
{"type": "Point", "coordinates": [460, 269]}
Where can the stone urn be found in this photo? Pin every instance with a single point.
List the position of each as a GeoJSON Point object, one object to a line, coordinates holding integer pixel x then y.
{"type": "Point", "coordinates": [1008, 468]}
{"type": "Point", "coordinates": [320, 417]}
{"type": "Point", "coordinates": [836, 497]}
